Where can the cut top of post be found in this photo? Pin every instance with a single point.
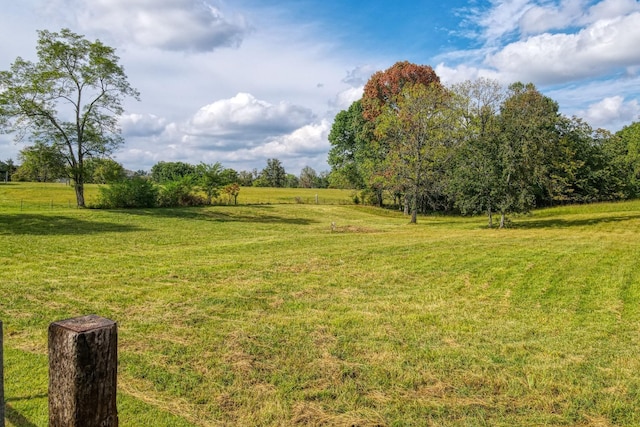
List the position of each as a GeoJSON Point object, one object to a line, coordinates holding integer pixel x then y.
{"type": "Point", "coordinates": [85, 323]}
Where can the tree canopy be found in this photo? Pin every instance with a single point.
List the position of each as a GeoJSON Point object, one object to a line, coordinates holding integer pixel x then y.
{"type": "Point", "coordinates": [474, 147]}
{"type": "Point", "coordinates": [70, 100]}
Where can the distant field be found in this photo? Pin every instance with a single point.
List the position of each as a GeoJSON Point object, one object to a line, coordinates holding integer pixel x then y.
{"type": "Point", "coordinates": [48, 196]}
{"type": "Point", "coordinates": [267, 315]}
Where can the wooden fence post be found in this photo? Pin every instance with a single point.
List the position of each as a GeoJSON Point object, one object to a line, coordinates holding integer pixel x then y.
{"type": "Point", "coordinates": [1, 375]}
{"type": "Point", "coordinates": [83, 361]}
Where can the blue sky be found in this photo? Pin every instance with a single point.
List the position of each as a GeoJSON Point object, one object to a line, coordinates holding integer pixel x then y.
{"type": "Point", "coordinates": [242, 81]}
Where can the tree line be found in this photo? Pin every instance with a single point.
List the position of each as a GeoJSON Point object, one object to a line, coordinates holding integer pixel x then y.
{"type": "Point", "coordinates": [475, 148]}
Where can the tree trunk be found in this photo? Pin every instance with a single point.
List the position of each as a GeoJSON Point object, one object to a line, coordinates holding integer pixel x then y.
{"type": "Point", "coordinates": [490, 217]}
{"type": "Point", "coordinates": [502, 219]}
{"type": "Point", "coordinates": [406, 204]}
{"type": "Point", "coordinates": [414, 206]}
{"type": "Point", "coordinates": [79, 187]}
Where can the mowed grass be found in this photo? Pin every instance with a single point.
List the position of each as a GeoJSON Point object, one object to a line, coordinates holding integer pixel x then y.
{"type": "Point", "coordinates": [270, 315]}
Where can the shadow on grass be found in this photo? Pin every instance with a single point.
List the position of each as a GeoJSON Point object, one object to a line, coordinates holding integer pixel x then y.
{"type": "Point", "coordinates": [16, 418]}
{"type": "Point", "coordinates": [30, 224]}
{"type": "Point", "coordinates": [256, 214]}
{"type": "Point", "coordinates": [567, 223]}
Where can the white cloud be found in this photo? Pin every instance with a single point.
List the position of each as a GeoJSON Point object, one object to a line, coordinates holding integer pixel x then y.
{"type": "Point", "coordinates": [555, 58]}
{"type": "Point", "coordinates": [461, 73]}
{"type": "Point", "coordinates": [178, 25]}
{"type": "Point", "coordinates": [347, 97]}
{"type": "Point", "coordinates": [245, 116]}
{"type": "Point", "coordinates": [610, 9]}
{"type": "Point", "coordinates": [501, 19]}
{"type": "Point", "coordinates": [538, 19]}
{"type": "Point", "coordinates": [305, 146]}
{"type": "Point", "coordinates": [141, 124]}
{"type": "Point", "coordinates": [610, 111]}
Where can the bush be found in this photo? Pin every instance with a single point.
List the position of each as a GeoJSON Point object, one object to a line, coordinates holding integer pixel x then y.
{"type": "Point", "coordinates": [180, 193]}
{"type": "Point", "coordinates": [132, 193]}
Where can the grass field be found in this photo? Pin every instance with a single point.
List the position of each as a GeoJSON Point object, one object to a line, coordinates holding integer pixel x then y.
{"type": "Point", "coordinates": [266, 314]}
{"type": "Point", "coordinates": [56, 196]}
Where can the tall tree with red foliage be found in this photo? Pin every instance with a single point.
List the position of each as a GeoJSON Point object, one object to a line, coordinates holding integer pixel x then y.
{"type": "Point", "coordinates": [384, 86]}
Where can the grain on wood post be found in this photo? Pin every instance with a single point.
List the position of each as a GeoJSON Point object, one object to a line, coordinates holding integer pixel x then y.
{"type": "Point", "coordinates": [83, 361]}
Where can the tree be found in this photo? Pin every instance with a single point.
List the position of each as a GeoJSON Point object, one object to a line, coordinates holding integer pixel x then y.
{"type": "Point", "coordinates": [210, 178]}
{"type": "Point", "coordinates": [527, 142]}
{"type": "Point", "coordinates": [245, 178]}
{"type": "Point", "coordinates": [383, 87]}
{"type": "Point", "coordinates": [163, 172]}
{"type": "Point", "coordinates": [357, 154]}
{"type": "Point", "coordinates": [7, 169]}
{"type": "Point", "coordinates": [308, 178]}
{"type": "Point", "coordinates": [474, 180]}
{"type": "Point", "coordinates": [629, 137]}
{"type": "Point", "coordinates": [421, 128]}
{"type": "Point", "coordinates": [273, 175]}
{"type": "Point", "coordinates": [70, 99]}
{"type": "Point", "coordinates": [348, 147]}
{"type": "Point", "coordinates": [229, 176]}
{"type": "Point", "coordinates": [103, 171]}
{"type": "Point", "coordinates": [41, 163]}
{"type": "Point", "coordinates": [232, 191]}
{"type": "Point", "coordinates": [291, 181]}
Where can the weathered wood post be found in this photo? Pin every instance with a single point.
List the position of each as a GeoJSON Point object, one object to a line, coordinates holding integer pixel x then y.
{"type": "Point", "coordinates": [83, 361]}
{"type": "Point", "coordinates": [1, 375]}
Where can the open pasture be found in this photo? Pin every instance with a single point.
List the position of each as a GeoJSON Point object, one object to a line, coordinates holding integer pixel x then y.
{"type": "Point", "coordinates": [270, 315]}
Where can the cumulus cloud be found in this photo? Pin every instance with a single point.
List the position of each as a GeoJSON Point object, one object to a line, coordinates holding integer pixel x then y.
{"type": "Point", "coordinates": [461, 73]}
{"type": "Point", "coordinates": [246, 117]}
{"type": "Point", "coordinates": [142, 124]}
{"type": "Point", "coordinates": [178, 25]}
{"type": "Point", "coordinates": [610, 9]}
{"type": "Point", "coordinates": [308, 142]}
{"type": "Point", "coordinates": [347, 97]}
{"type": "Point", "coordinates": [555, 58]}
{"type": "Point", "coordinates": [611, 112]}
{"type": "Point", "coordinates": [538, 19]}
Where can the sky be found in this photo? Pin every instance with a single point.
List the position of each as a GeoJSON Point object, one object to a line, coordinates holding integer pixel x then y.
{"type": "Point", "coordinates": [242, 81]}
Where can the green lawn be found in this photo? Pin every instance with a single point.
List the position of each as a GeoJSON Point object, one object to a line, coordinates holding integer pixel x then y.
{"type": "Point", "coordinates": [266, 314]}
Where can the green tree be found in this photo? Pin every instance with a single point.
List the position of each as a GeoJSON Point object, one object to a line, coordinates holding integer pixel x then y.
{"type": "Point", "coordinates": [421, 129]}
{"type": "Point", "coordinates": [103, 171]}
{"type": "Point", "coordinates": [273, 175]}
{"type": "Point", "coordinates": [229, 176]}
{"type": "Point", "coordinates": [42, 163]}
{"type": "Point", "coordinates": [245, 178]}
{"type": "Point", "coordinates": [210, 179]}
{"type": "Point", "coordinates": [474, 180]}
{"type": "Point", "coordinates": [70, 99]}
{"type": "Point", "coordinates": [629, 137]}
{"type": "Point", "coordinates": [163, 172]}
{"type": "Point", "coordinates": [527, 142]}
{"type": "Point", "coordinates": [291, 181]}
{"type": "Point", "coordinates": [348, 147]}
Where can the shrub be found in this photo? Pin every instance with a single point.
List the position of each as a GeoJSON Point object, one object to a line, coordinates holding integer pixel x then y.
{"type": "Point", "coordinates": [131, 193]}
{"type": "Point", "coordinates": [180, 193]}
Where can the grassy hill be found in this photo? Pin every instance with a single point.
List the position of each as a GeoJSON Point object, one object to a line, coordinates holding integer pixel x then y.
{"type": "Point", "coordinates": [305, 314]}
